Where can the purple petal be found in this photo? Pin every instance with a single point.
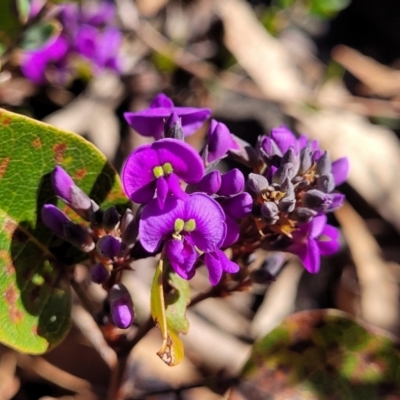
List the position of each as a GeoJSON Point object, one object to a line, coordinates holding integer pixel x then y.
{"type": "Point", "coordinates": [148, 122]}
{"type": "Point", "coordinates": [328, 240]}
{"type": "Point", "coordinates": [336, 201]}
{"type": "Point", "coordinates": [210, 221]}
{"type": "Point", "coordinates": [107, 48]}
{"type": "Point", "coordinates": [340, 170]}
{"type": "Point", "coordinates": [182, 256]}
{"type": "Point", "coordinates": [284, 138]}
{"type": "Point", "coordinates": [232, 232]}
{"type": "Point", "coordinates": [155, 224]}
{"type": "Point", "coordinates": [122, 313]}
{"type": "Point", "coordinates": [214, 268]}
{"type": "Point", "coordinates": [62, 183]}
{"type": "Point", "coordinates": [238, 206]}
{"type": "Point", "coordinates": [137, 174]}
{"type": "Point", "coordinates": [162, 101]}
{"type": "Point", "coordinates": [312, 258]}
{"type": "Point", "coordinates": [175, 187]}
{"type": "Point", "coordinates": [162, 191]}
{"type": "Point", "coordinates": [185, 161]}
{"type": "Point", "coordinates": [316, 226]}
{"type": "Point", "coordinates": [218, 141]}
{"type": "Point", "coordinates": [210, 183]}
{"type": "Point", "coordinates": [227, 265]}
{"type": "Point", "coordinates": [192, 118]}
{"type": "Point", "coordinates": [231, 183]}
{"type": "Point", "coordinates": [85, 41]}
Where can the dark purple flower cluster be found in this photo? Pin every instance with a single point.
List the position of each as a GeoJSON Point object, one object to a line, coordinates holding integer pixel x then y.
{"type": "Point", "coordinates": [88, 38]}
{"type": "Point", "coordinates": [284, 207]}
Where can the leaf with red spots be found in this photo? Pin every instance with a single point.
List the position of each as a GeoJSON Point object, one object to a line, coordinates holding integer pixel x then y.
{"type": "Point", "coordinates": [321, 355]}
{"type": "Point", "coordinates": [35, 300]}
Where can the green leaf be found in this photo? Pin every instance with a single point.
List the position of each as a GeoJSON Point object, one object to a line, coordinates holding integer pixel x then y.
{"type": "Point", "coordinates": [37, 35]}
{"type": "Point", "coordinates": [170, 296]}
{"type": "Point", "coordinates": [35, 302]}
{"type": "Point", "coordinates": [10, 23]}
{"type": "Point", "coordinates": [321, 354]}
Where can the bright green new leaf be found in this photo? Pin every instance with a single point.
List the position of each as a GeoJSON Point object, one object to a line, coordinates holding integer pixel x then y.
{"type": "Point", "coordinates": [169, 300]}
{"type": "Point", "coordinates": [328, 8]}
{"type": "Point", "coordinates": [23, 7]}
{"type": "Point", "coordinates": [321, 355]}
{"type": "Point", "coordinates": [35, 299]}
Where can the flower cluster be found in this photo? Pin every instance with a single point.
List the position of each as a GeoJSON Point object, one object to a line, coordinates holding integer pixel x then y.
{"type": "Point", "coordinates": [108, 238]}
{"type": "Point", "coordinates": [88, 38]}
{"type": "Point", "coordinates": [191, 213]}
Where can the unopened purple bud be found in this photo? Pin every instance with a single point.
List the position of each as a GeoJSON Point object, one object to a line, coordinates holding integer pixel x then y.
{"type": "Point", "coordinates": [81, 203]}
{"type": "Point", "coordinates": [269, 149]}
{"type": "Point", "coordinates": [210, 183]}
{"type": "Point", "coordinates": [269, 211]}
{"type": "Point", "coordinates": [238, 206]}
{"type": "Point", "coordinates": [232, 183]}
{"type": "Point", "coordinates": [322, 202]}
{"type": "Point", "coordinates": [287, 204]}
{"type": "Point", "coordinates": [129, 227]}
{"type": "Point", "coordinates": [108, 246]}
{"type": "Point", "coordinates": [173, 127]}
{"type": "Point", "coordinates": [54, 219]}
{"type": "Point", "coordinates": [257, 183]}
{"type": "Point", "coordinates": [62, 183]}
{"type": "Point", "coordinates": [121, 306]}
{"type": "Point", "coordinates": [283, 172]}
{"type": "Point", "coordinates": [269, 269]}
{"type": "Point", "coordinates": [326, 183]}
{"type": "Point", "coordinates": [111, 218]}
{"type": "Point", "coordinates": [305, 159]}
{"type": "Point", "coordinates": [291, 158]}
{"type": "Point", "coordinates": [324, 165]}
{"type": "Point", "coordinates": [218, 141]}
{"type": "Point", "coordinates": [303, 214]}
{"type": "Point", "coordinates": [99, 273]}
{"type": "Point", "coordinates": [78, 236]}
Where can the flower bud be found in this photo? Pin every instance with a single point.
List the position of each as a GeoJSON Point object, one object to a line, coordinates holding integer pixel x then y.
{"type": "Point", "coordinates": [290, 157]}
{"type": "Point", "coordinates": [232, 183]}
{"type": "Point", "coordinates": [303, 214]}
{"type": "Point", "coordinates": [305, 159]}
{"type": "Point", "coordinates": [326, 183]}
{"type": "Point", "coordinates": [269, 269]}
{"type": "Point", "coordinates": [238, 206]}
{"type": "Point", "coordinates": [269, 211]}
{"type": "Point", "coordinates": [129, 227]}
{"type": "Point", "coordinates": [62, 183]}
{"type": "Point", "coordinates": [81, 203]}
{"type": "Point", "coordinates": [173, 127]}
{"type": "Point", "coordinates": [121, 306]}
{"type": "Point", "coordinates": [108, 246]}
{"type": "Point", "coordinates": [54, 219]}
{"type": "Point", "coordinates": [257, 183]}
{"type": "Point", "coordinates": [78, 236]}
{"type": "Point", "coordinates": [111, 218]}
{"type": "Point", "coordinates": [210, 183]}
{"type": "Point", "coordinates": [99, 273]}
{"type": "Point", "coordinates": [324, 165]}
{"type": "Point", "coordinates": [218, 141]}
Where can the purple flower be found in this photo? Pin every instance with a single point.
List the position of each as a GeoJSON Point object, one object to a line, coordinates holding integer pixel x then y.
{"type": "Point", "coordinates": [219, 141]}
{"type": "Point", "coordinates": [35, 62]}
{"type": "Point", "coordinates": [99, 273]}
{"type": "Point", "coordinates": [150, 122]}
{"type": "Point", "coordinates": [312, 240]}
{"type": "Point", "coordinates": [189, 228]}
{"type": "Point", "coordinates": [121, 306]}
{"type": "Point", "coordinates": [159, 167]}
{"type": "Point", "coordinates": [340, 170]}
